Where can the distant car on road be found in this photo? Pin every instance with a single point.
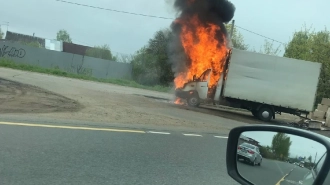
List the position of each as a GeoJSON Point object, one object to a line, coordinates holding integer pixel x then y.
{"type": "Point", "coordinates": [249, 153]}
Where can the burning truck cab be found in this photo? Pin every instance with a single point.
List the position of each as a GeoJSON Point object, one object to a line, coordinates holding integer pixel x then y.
{"type": "Point", "coordinates": [198, 90]}
{"type": "Point", "coordinates": [195, 90]}
{"type": "Point", "coordinates": [263, 84]}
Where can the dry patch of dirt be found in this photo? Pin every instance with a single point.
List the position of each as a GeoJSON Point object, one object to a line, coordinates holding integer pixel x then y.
{"type": "Point", "coordinates": [21, 98]}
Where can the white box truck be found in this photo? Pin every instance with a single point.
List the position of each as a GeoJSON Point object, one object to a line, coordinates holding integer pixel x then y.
{"type": "Point", "coordinates": [263, 84]}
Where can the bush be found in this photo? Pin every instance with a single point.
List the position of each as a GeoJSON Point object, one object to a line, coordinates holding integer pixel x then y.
{"type": "Point", "coordinates": [150, 65]}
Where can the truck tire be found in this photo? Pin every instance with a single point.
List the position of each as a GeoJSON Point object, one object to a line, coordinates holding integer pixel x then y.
{"type": "Point", "coordinates": [193, 100]}
{"type": "Point", "coordinates": [254, 113]}
{"type": "Point", "coordinates": [265, 114]}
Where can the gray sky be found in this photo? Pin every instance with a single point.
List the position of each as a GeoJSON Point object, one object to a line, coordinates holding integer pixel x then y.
{"type": "Point", "coordinates": [126, 33]}
{"type": "Point", "coordinates": [300, 146]}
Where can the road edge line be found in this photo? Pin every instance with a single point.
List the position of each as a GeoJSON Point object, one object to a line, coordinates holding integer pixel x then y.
{"type": "Point", "coordinates": [153, 132]}
{"type": "Point", "coordinates": [70, 127]}
{"type": "Point", "coordinates": [194, 135]}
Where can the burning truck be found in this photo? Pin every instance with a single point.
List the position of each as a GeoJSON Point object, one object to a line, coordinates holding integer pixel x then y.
{"type": "Point", "coordinates": [262, 84]}
{"type": "Point", "coordinates": [207, 69]}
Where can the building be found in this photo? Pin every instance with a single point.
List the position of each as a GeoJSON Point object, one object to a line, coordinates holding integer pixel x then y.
{"type": "Point", "coordinates": [50, 44]}
{"type": "Point", "coordinates": [24, 38]}
{"type": "Point", "coordinates": [75, 48]}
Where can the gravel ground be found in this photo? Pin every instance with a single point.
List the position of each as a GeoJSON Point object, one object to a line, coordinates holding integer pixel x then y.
{"type": "Point", "coordinates": [44, 96]}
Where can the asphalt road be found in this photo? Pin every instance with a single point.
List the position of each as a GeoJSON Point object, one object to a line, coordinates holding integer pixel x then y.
{"type": "Point", "coordinates": [295, 176]}
{"type": "Point", "coordinates": [272, 172]}
{"type": "Point", "coordinates": [38, 155]}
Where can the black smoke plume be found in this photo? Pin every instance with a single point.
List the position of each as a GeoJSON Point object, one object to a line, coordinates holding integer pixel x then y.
{"type": "Point", "coordinates": [209, 11]}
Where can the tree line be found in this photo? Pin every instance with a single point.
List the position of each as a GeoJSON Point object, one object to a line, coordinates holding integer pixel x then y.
{"type": "Point", "coordinates": [279, 149]}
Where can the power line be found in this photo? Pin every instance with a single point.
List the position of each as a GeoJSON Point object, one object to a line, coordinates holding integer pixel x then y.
{"type": "Point", "coordinates": [153, 16]}
{"type": "Point", "coordinates": [260, 35]}
{"type": "Point", "coordinates": [113, 10]}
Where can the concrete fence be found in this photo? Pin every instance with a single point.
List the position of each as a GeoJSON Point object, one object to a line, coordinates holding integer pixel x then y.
{"type": "Point", "coordinates": [71, 63]}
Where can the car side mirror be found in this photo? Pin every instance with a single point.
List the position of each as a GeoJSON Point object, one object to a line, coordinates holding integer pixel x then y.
{"type": "Point", "coordinates": [277, 144]}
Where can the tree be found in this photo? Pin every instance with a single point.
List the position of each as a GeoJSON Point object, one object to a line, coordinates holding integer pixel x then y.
{"type": "Point", "coordinates": [313, 46]}
{"type": "Point", "coordinates": [102, 52]}
{"type": "Point", "coordinates": [1, 34]}
{"type": "Point", "coordinates": [298, 47]}
{"type": "Point", "coordinates": [144, 70]}
{"type": "Point", "coordinates": [150, 65]}
{"type": "Point", "coordinates": [281, 145]}
{"type": "Point", "coordinates": [266, 152]}
{"type": "Point", "coordinates": [268, 48]}
{"type": "Point", "coordinates": [310, 159]}
{"type": "Point", "coordinates": [63, 35]}
{"type": "Point", "coordinates": [237, 38]}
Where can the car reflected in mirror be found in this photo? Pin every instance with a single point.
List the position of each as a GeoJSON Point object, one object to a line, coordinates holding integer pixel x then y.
{"type": "Point", "coordinates": [274, 156]}
{"type": "Point", "coordinates": [249, 153]}
{"type": "Point", "coordinates": [271, 151]}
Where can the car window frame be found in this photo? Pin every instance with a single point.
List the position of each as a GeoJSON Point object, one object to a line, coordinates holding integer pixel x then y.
{"type": "Point", "coordinates": [317, 167]}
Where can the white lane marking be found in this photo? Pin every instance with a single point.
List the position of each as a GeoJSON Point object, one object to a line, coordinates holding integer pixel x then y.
{"type": "Point", "coordinates": [69, 127]}
{"type": "Point", "coordinates": [197, 135]}
{"type": "Point", "coordinates": [279, 168]}
{"type": "Point", "coordinates": [222, 137]}
{"type": "Point", "coordinates": [152, 132]}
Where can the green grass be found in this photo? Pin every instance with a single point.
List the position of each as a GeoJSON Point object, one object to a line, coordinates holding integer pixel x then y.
{"type": "Point", "coordinates": [57, 72]}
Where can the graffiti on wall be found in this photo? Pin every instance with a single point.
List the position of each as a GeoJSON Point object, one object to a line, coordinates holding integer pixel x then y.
{"type": "Point", "coordinates": [11, 52]}
{"type": "Point", "coordinates": [79, 69]}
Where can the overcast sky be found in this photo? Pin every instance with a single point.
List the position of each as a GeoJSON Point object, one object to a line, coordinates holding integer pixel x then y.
{"type": "Point", "coordinates": [300, 146]}
{"type": "Point", "coordinates": [126, 33]}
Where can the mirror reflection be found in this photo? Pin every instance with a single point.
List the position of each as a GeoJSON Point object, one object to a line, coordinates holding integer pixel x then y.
{"type": "Point", "coordinates": [278, 158]}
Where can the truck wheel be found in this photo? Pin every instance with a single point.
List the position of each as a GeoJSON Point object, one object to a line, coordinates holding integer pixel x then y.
{"type": "Point", "coordinates": [265, 114]}
{"type": "Point", "coordinates": [254, 113]}
{"type": "Point", "coordinates": [193, 101]}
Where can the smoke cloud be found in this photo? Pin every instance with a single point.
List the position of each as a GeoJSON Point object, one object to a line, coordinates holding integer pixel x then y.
{"type": "Point", "coordinates": [215, 12]}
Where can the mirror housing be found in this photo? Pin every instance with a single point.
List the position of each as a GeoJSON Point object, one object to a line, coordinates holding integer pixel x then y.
{"type": "Point", "coordinates": [233, 140]}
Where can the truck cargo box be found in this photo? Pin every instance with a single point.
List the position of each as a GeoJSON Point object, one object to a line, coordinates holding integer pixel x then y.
{"type": "Point", "coordinates": [272, 80]}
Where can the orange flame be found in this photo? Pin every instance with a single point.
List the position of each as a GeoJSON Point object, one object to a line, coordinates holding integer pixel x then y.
{"type": "Point", "coordinates": [202, 47]}
{"type": "Point", "coordinates": [178, 101]}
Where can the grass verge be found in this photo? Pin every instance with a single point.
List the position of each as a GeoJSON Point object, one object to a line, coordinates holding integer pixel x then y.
{"type": "Point", "coordinates": [57, 72]}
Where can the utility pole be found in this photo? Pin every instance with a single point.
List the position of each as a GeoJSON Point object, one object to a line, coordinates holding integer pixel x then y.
{"type": "Point", "coordinates": [232, 29]}
{"type": "Point", "coordinates": [315, 158]}
{"type": "Point", "coordinates": [7, 23]}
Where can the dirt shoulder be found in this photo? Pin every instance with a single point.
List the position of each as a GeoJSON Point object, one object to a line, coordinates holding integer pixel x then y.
{"type": "Point", "coordinates": [16, 97]}
{"type": "Point", "coordinates": [51, 97]}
